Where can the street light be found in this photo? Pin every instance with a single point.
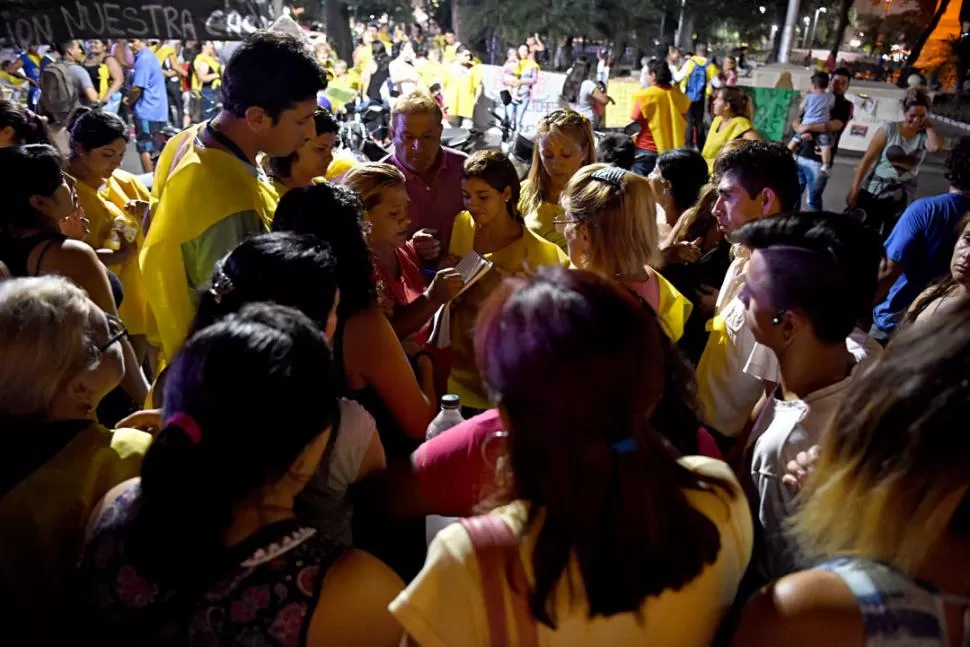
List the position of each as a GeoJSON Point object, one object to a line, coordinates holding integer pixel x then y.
{"type": "Point", "coordinates": [762, 9]}
{"type": "Point", "coordinates": [811, 39]}
{"type": "Point", "coordinates": [807, 21]}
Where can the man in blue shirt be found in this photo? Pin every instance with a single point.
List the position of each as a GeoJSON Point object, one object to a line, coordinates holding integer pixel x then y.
{"type": "Point", "coordinates": [919, 248]}
{"type": "Point", "coordinates": [149, 101]}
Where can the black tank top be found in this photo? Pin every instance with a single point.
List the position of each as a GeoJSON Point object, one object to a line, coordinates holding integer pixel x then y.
{"type": "Point", "coordinates": [377, 81]}
{"type": "Point", "coordinates": [15, 252]}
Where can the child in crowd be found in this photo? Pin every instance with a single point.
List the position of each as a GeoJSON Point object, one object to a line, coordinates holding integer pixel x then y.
{"type": "Point", "coordinates": [816, 108]}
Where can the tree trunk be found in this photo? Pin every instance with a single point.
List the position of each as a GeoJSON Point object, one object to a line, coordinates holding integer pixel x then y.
{"type": "Point", "coordinates": [923, 38]}
{"type": "Point", "coordinates": [839, 32]}
{"type": "Point", "coordinates": [337, 21]}
{"type": "Point", "coordinates": [455, 19]}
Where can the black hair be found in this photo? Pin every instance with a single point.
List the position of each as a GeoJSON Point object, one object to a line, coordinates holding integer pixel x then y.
{"type": "Point", "coordinates": [254, 418]}
{"type": "Point", "coordinates": [841, 289]}
{"type": "Point", "coordinates": [28, 128]}
{"type": "Point", "coordinates": [760, 165]}
{"type": "Point", "coordinates": [284, 267]}
{"type": "Point", "coordinates": [62, 46]}
{"type": "Point", "coordinates": [842, 71]}
{"type": "Point", "coordinates": [273, 71]}
{"type": "Point", "coordinates": [820, 80]}
{"type": "Point", "coordinates": [958, 164]}
{"type": "Point", "coordinates": [26, 171]}
{"type": "Point", "coordinates": [616, 149]}
{"type": "Point", "coordinates": [379, 53]}
{"type": "Point", "coordinates": [92, 129]}
{"type": "Point", "coordinates": [916, 97]}
{"type": "Point", "coordinates": [335, 214]}
{"type": "Point", "coordinates": [661, 71]}
{"type": "Point", "coordinates": [686, 170]}
{"type": "Point", "coordinates": [281, 167]}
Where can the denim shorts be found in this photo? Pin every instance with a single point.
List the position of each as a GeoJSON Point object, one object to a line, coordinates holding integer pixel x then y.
{"type": "Point", "coordinates": [145, 132]}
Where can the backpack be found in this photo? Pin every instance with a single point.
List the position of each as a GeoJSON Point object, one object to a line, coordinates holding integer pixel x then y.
{"type": "Point", "coordinates": [58, 92]}
{"type": "Point", "coordinates": [697, 81]}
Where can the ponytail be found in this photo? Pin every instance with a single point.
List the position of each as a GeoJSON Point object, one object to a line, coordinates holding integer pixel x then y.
{"type": "Point", "coordinates": [231, 429]}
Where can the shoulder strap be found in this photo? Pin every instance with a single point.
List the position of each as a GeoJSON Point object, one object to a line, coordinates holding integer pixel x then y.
{"type": "Point", "coordinates": [493, 539]}
{"type": "Point", "coordinates": [43, 252]}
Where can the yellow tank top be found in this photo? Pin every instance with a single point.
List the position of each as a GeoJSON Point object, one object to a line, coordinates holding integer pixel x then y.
{"type": "Point", "coordinates": [716, 140]}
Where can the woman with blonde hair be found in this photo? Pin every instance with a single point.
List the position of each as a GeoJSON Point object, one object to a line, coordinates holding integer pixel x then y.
{"type": "Point", "coordinates": [611, 228]}
{"type": "Point", "coordinates": [407, 298]}
{"type": "Point", "coordinates": [732, 120]}
{"type": "Point", "coordinates": [60, 354]}
{"type": "Point", "coordinates": [887, 506]}
{"type": "Point", "coordinates": [492, 227]}
{"type": "Point", "coordinates": [563, 144]}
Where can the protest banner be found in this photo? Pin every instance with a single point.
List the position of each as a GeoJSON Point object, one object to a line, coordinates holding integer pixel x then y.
{"type": "Point", "coordinates": [24, 22]}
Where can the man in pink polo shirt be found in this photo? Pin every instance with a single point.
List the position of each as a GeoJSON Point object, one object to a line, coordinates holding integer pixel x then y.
{"type": "Point", "coordinates": [433, 173]}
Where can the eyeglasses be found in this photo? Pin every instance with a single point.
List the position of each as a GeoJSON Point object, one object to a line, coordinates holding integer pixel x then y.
{"type": "Point", "coordinates": [560, 224]}
{"type": "Point", "coordinates": [116, 332]}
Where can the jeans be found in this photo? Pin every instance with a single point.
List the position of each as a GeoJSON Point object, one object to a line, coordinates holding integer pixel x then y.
{"type": "Point", "coordinates": [811, 178]}
{"type": "Point", "coordinates": [644, 162]}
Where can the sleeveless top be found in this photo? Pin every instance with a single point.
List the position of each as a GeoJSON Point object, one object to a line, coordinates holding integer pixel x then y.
{"type": "Point", "coordinates": [397, 444]}
{"type": "Point", "coordinates": [897, 611]}
{"type": "Point", "coordinates": [377, 81]}
{"type": "Point", "coordinates": [266, 597]}
{"type": "Point", "coordinates": [898, 164]}
{"type": "Point", "coordinates": [16, 252]}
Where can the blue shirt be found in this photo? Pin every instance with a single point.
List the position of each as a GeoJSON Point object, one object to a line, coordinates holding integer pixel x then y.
{"type": "Point", "coordinates": [921, 243]}
{"type": "Point", "coordinates": [147, 75]}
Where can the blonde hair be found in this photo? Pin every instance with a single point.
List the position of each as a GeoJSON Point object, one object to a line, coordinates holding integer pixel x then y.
{"type": "Point", "coordinates": [893, 465]}
{"type": "Point", "coordinates": [369, 181]}
{"type": "Point", "coordinates": [568, 122]}
{"type": "Point", "coordinates": [416, 103]}
{"type": "Point", "coordinates": [620, 221]}
{"type": "Point", "coordinates": [45, 340]}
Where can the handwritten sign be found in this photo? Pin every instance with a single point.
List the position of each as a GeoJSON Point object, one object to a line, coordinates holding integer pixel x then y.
{"type": "Point", "coordinates": [47, 21]}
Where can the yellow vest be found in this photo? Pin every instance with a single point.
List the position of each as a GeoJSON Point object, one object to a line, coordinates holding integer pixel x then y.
{"type": "Point", "coordinates": [202, 187]}
{"type": "Point", "coordinates": [527, 253]}
{"type": "Point", "coordinates": [102, 207]}
{"type": "Point", "coordinates": [665, 112]}
{"type": "Point", "coordinates": [214, 67]}
{"type": "Point", "coordinates": [460, 89]}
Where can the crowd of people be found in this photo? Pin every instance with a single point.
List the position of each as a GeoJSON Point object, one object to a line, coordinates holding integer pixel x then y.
{"type": "Point", "coordinates": [693, 414]}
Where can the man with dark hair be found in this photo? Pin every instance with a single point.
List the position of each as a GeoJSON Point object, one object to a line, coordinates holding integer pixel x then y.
{"type": "Point", "coordinates": [695, 78]}
{"type": "Point", "coordinates": [661, 110]}
{"type": "Point", "coordinates": [65, 84]}
{"type": "Point", "coordinates": [212, 194]}
{"type": "Point", "coordinates": [919, 248]}
{"type": "Point", "coordinates": [148, 99]}
{"type": "Point", "coordinates": [810, 278]}
{"type": "Point", "coordinates": [809, 157]}
{"type": "Point", "coordinates": [754, 180]}
{"type": "Point", "coordinates": [617, 150]}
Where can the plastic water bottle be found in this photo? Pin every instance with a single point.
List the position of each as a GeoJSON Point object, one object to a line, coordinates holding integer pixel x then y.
{"type": "Point", "coordinates": [448, 417]}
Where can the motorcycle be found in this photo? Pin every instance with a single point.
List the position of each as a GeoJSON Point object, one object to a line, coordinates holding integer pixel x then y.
{"type": "Point", "coordinates": [497, 131]}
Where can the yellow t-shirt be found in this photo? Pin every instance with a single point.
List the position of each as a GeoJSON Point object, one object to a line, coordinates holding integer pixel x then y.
{"type": "Point", "coordinates": [445, 605]}
{"type": "Point", "coordinates": [527, 253]}
{"type": "Point", "coordinates": [716, 140]}
{"type": "Point", "coordinates": [461, 87]}
{"type": "Point", "coordinates": [44, 518]}
{"type": "Point", "coordinates": [540, 222]}
{"type": "Point", "coordinates": [102, 207]}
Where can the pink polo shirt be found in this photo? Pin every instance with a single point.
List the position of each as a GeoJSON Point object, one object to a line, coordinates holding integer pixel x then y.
{"type": "Point", "coordinates": [435, 205]}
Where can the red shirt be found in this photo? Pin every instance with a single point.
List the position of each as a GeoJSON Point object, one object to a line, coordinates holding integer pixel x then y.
{"type": "Point", "coordinates": [402, 290]}
{"type": "Point", "coordinates": [435, 205]}
{"type": "Point", "coordinates": [456, 469]}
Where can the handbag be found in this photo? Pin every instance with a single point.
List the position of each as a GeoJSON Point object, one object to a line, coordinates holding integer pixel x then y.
{"type": "Point", "coordinates": [496, 548]}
